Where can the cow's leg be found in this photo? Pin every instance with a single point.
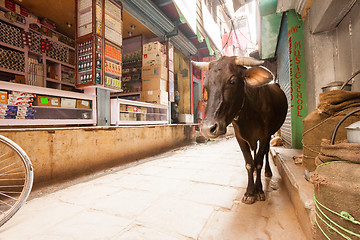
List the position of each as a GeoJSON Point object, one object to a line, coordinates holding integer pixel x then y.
{"type": "Point", "coordinates": [259, 159]}
{"type": "Point", "coordinates": [249, 196]}
{"type": "Point", "coordinates": [268, 172]}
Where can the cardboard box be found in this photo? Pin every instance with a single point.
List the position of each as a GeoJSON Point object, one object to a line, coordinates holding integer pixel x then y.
{"type": "Point", "coordinates": [131, 109]}
{"type": "Point", "coordinates": [153, 47]}
{"type": "Point", "coordinates": [154, 84]}
{"type": "Point", "coordinates": [3, 97]}
{"type": "Point", "coordinates": [82, 103]}
{"type": "Point", "coordinates": [132, 116]}
{"type": "Point", "coordinates": [154, 71]}
{"type": "Point", "coordinates": [47, 101]}
{"type": "Point", "coordinates": [152, 59]}
{"type": "Point", "coordinates": [123, 108]}
{"type": "Point", "coordinates": [68, 103]}
{"type": "Point", "coordinates": [141, 117]}
{"type": "Point", "coordinates": [124, 116]}
{"type": "Point", "coordinates": [156, 96]}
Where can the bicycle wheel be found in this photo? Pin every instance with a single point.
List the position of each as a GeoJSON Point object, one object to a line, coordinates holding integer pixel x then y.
{"type": "Point", "coordinates": [16, 178]}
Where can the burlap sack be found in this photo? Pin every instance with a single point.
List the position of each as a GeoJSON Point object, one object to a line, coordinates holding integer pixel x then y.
{"type": "Point", "coordinates": [320, 123]}
{"type": "Point", "coordinates": [338, 152]}
{"type": "Point", "coordinates": [337, 190]}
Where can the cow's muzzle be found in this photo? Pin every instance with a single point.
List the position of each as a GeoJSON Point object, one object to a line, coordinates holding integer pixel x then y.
{"type": "Point", "coordinates": [212, 129]}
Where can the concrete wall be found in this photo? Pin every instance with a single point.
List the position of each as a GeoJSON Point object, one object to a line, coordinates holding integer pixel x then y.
{"type": "Point", "coordinates": [62, 154]}
{"type": "Point", "coordinates": [332, 55]}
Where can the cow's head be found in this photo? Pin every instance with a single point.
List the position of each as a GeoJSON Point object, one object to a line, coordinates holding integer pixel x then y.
{"type": "Point", "coordinates": [225, 84]}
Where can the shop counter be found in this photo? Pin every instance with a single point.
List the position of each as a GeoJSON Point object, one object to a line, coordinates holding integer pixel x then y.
{"type": "Point", "coordinates": [24, 105]}
{"type": "Point", "coordinates": [127, 112]}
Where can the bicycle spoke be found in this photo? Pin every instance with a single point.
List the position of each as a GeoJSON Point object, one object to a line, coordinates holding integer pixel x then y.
{"type": "Point", "coordinates": [16, 178]}
{"type": "Point", "coordinates": [8, 196]}
{"type": "Point", "coordinates": [12, 154]}
{"type": "Point", "coordinates": [5, 203]}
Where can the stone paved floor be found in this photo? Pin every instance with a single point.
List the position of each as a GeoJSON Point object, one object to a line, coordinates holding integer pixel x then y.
{"type": "Point", "coordinates": [190, 193]}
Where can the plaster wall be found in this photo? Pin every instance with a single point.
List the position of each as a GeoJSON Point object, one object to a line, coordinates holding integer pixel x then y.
{"type": "Point", "coordinates": [331, 55]}
{"type": "Point", "coordinates": [63, 154]}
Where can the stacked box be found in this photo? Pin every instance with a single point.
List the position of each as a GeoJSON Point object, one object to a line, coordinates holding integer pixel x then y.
{"type": "Point", "coordinates": [3, 97]}
{"type": "Point", "coordinates": [82, 103]}
{"type": "Point", "coordinates": [112, 82]}
{"type": "Point", "coordinates": [154, 74]}
{"type": "Point", "coordinates": [155, 96]}
{"type": "Point", "coordinates": [20, 99]}
{"type": "Point", "coordinates": [8, 111]}
{"type": "Point", "coordinates": [68, 103]}
{"type": "Point", "coordinates": [113, 52]}
{"type": "Point", "coordinates": [47, 101]}
{"type": "Point", "coordinates": [153, 54]}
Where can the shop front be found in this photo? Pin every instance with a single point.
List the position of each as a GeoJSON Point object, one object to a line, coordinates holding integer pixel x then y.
{"type": "Point", "coordinates": [69, 69]}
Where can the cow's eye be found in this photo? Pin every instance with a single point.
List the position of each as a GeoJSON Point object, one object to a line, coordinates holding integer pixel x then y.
{"type": "Point", "coordinates": [232, 81]}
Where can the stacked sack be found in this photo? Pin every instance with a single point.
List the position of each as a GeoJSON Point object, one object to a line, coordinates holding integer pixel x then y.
{"type": "Point", "coordinates": [337, 175]}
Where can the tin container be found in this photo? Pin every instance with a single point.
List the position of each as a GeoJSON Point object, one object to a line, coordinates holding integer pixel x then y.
{"type": "Point", "coordinates": [336, 86]}
{"type": "Point", "coordinates": [353, 132]}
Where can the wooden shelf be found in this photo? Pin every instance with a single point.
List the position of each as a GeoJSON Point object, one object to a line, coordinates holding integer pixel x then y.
{"type": "Point", "coordinates": [57, 61]}
{"type": "Point", "coordinates": [12, 47]}
{"type": "Point", "coordinates": [126, 94]}
{"type": "Point", "coordinates": [112, 59]}
{"type": "Point", "coordinates": [112, 74]}
{"type": "Point", "coordinates": [68, 84]}
{"type": "Point", "coordinates": [11, 22]}
{"type": "Point", "coordinates": [129, 65]}
{"type": "Point", "coordinates": [12, 71]}
{"type": "Point", "coordinates": [112, 15]}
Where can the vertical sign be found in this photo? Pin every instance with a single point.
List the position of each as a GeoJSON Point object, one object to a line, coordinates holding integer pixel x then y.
{"type": "Point", "coordinates": [297, 76]}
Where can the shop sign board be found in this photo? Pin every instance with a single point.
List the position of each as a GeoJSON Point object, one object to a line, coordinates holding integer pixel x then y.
{"type": "Point", "coordinates": [297, 76]}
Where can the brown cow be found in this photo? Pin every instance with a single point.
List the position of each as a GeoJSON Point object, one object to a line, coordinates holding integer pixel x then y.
{"type": "Point", "coordinates": [256, 109]}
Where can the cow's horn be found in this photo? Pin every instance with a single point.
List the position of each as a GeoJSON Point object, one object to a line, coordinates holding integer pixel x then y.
{"type": "Point", "coordinates": [201, 65]}
{"type": "Point", "coordinates": [247, 61]}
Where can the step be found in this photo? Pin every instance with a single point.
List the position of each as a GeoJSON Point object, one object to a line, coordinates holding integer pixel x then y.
{"type": "Point", "coordinates": [300, 190]}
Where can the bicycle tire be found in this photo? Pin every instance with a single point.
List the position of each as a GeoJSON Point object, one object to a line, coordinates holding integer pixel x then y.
{"type": "Point", "coordinates": [26, 187]}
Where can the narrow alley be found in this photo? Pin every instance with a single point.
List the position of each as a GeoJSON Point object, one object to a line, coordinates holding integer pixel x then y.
{"type": "Point", "coordinates": [190, 193]}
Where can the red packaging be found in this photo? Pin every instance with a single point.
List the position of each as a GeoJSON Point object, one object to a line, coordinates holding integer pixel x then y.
{"type": "Point", "coordinates": [24, 11]}
{"type": "Point", "coordinates": [10, 5]}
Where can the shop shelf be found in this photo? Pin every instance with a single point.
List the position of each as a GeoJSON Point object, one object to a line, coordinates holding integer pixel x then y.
{"type": "Point", "coordinates": [112, 15]}
{"type": "Point", "coordinates": [112, 59]}
{"type": "Point", "coordinates": [12, 47]}
{"type": "Point", "coordinates": [68, 84]}
{"type": "Point", "coordinates": [78, 109]}
{"type": "Point", "coordinates": [112, 74]}
{"type": "Point", "coordinates": [85, 10]}
{"type": "Point", "coordinates": [133, 64]}
{"type": "Point", "coordinates": [52, 80]}
{"type": "Point", "coordinates": [12, 71]}
{"type": "Point", "coordinates": [57, 61]}
{"type": "Point", "coordinates": [127, 94]}
{"type": "Point", "coordinates": [86, 71]}
{"type": "Point", "coordinates": [11, 22]}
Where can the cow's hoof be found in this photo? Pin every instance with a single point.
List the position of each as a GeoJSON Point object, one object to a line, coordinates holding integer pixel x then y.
{"type": "Point", "coordinates": [260, 196]}
{"type": "Point", "coordinates": [268, 174]}
{"type": "Point", "coordinates": [248, 199]}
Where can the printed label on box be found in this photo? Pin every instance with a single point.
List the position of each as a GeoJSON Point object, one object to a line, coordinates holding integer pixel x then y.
{"type": "Point", "coordinates": [54, 101]}
{"type": "Point", "coordinates": [44, 100]}
{"type": "Point", "coordinates": [85, 103]}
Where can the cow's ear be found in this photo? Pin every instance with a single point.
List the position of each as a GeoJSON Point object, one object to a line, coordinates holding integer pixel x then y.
{"type": "Point", "coordinates": [257, 76]}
